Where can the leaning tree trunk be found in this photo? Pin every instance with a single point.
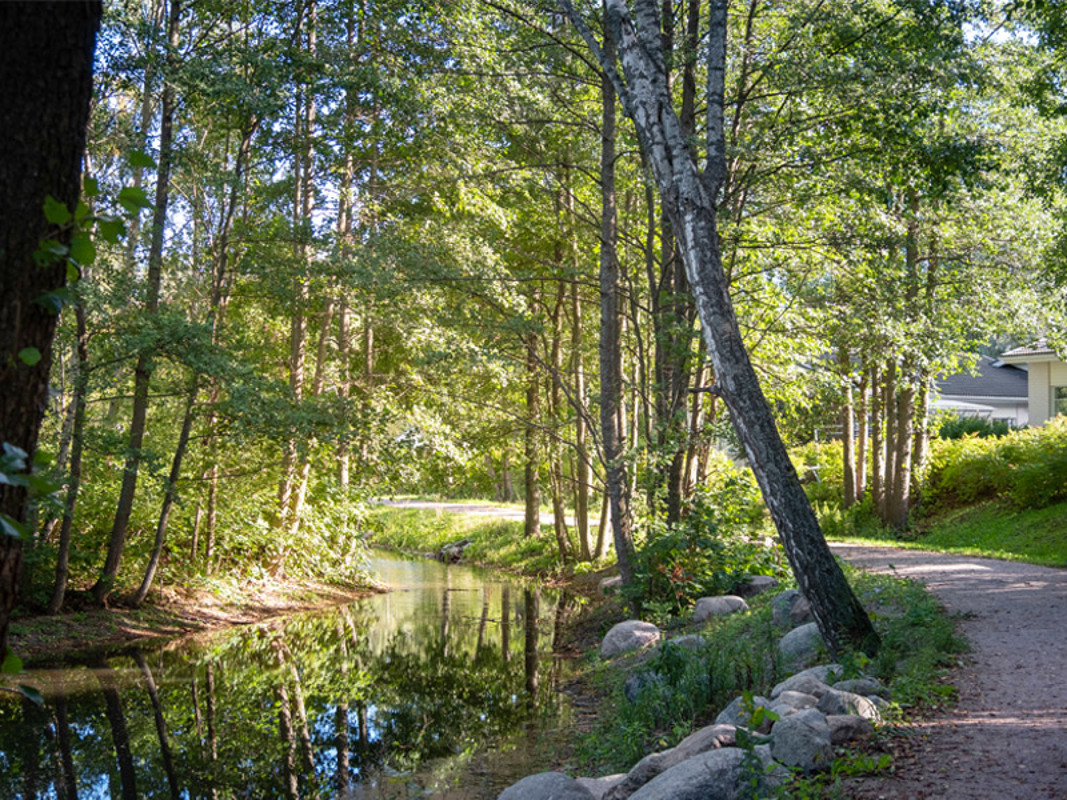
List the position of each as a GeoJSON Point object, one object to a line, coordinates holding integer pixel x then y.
{"type": "Point", "coordinates": [46, 57]}
{"type": "Point", "coordinates": [690, 198]}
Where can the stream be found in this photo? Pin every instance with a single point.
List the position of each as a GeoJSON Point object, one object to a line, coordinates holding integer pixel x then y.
{"type": "Point", "coordinates": [443, 687]}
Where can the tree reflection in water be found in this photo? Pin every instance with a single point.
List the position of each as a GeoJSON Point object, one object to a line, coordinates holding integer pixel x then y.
{"type": "Point", "coordinates": [370, 700]}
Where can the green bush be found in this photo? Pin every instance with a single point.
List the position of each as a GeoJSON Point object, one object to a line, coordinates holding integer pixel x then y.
{"type": "Point", "coordinates": [719, 539]}
{"type": "Point", "coordinates": [820, 466]}
{"type": "Point", "coordinates": [958, 427]}
{"type": "Point", "coordinates": [1028, 468]}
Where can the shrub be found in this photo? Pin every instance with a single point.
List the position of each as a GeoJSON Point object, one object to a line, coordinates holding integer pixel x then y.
{"type": "Point", "coordinates": [1027, 467]}
{"type": "Point", "coordinates": [718, 539]}
{"type": "Point", "coordinates": [959, 427]}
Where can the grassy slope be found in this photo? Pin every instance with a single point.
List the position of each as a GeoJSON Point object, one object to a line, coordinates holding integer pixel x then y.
{"type": "Point", "coordinates": [495, 542]}
{"type": "Point", "coordinates": [994, 530]}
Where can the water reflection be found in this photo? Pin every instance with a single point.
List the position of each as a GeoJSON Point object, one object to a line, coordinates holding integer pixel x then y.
{"type": "Point", "coordinates": [398, 695]}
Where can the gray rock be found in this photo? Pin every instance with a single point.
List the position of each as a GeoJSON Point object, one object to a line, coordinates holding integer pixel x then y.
{"type": "Point", "coordinates": [791, 609]}
{"type": "Point", "coordinates": [836, 701]}
{"type": "Point", "coordinates": [813, 680]}
{"type": "Point", "coordinates": [721, 606]}
{"type": "Point", "coordinates": [546, 786]}
{"type": "Point", "coordinates": [846, 728]}
{"type": "Point", "coordinates": [711, 737]}
{"type": "Point", "coordinates": [609, 585]}
{"type": "Point", "coordinates": [639, 681]}
{"type": "Point", "coordinates": [630, 635]}
{"type": "Point", "coordinates": [774, 774]}
{"type": "Point", "coordinates": [691, 641]}
{"type": "Point", "coordinates": [790, 702]}
{"type": "Point", "coordinates": [755, 584]}
{"type": "Point", "coordinates": [880, 703]}
{"type": "Point", "coordinates": [802, 741]}
{"type": "Point", "coordinates": [715, 775]}
{"type": "Point", "coordinates": [802, 645]}
{"type": "Point", "coordinates": [864, 686]}
{"type": "Point", "coordinates": [738, 715]}
{"type": "Point", "coordinates": [598, 787]}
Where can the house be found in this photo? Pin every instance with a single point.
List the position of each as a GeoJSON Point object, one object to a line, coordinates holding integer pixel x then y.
{"type": "Point", "coordinates": [998, 391]}
{"type": "Point", "coordinates": [1046, 380]}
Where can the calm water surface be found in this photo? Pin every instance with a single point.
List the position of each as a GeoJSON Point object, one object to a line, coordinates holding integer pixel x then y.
{"type": "Point", "coordinates": [444, 687]}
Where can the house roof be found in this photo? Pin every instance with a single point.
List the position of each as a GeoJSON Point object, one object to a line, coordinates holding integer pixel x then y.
{"type": "Point", "coordinates": [994, 379]}
{"type": "Point", "coordinates": [1038, 348]}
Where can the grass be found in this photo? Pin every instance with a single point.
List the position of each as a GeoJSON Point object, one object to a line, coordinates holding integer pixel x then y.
{"type": "Point", "coordinates": [992, 530]}
{"type": "Point", "coordinates": [494, 542]}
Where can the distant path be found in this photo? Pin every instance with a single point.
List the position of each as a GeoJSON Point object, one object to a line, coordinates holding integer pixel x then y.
{"type": "Point", "coordinates": [1007, 736]}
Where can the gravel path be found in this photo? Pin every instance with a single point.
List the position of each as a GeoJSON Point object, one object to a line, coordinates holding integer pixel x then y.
{"type": "Point", "coordinates": [1007, 736]}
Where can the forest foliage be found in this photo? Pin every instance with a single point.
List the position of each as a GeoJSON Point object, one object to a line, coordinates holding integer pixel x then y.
{"type": "Point", "coordinates": [360, 257]}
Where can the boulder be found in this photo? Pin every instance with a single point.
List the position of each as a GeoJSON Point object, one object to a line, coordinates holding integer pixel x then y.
{"type": "Point", "coordinates": [608, 585]}
{"type": "Point", "coordinates": [691, 641]}
{"type": "Point", "coordinates": [714, 775]}
{"type": "Point", "coordinates": [721, 606]}
{"type": "Point", "coordinates": [738, 714]}
{"type": "Point", "coordinates": [546, 786]}
{"type": "Point", "coordinates": [630, 635]}
{"type": "Point", "coordinates": [791, 609]}
{"type": "Point", "coordinates": [711, 737]}
{"type": "Point", "coordinates": [846, 728]}
{"type": "Point", "coordinates": [836, 701]}
{"type": "Point", "coordinates": [790, 702]}
{"type": "Point", "coordinates": [864, 686]}
{"type": "Point", "coordinates": [813, 680]}
{"type": "Point", "coordinates": [755, 584]}
{"type": "Point", "coordinates": [598, 787]}
{"type": "Point", "coordinates": [640, 680]}
{"type": "Point", "coordinates": [802, 645]}
{"type": "Point", "coordinates": [802, 741]}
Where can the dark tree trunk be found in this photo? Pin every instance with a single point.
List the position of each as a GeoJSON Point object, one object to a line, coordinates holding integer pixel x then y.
{"type": "Point", "coordinates": [611, 416]}
{"type": "Point", "coordinates": [161, 726]}
{"type": "Point", "coordinates": [46, 59]}
{"type": "Point", "coordinates": [690, 198]}
{"type": "Point", "coordinates": [120, 736]}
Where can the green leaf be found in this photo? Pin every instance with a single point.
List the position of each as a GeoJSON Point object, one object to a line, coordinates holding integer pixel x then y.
{"type": "Point", "coordinates": [90, 187]}
{"type": "Point", "coordinates": [12, 664]}
{"type": "Point", "coordinates": [9, 526]}
{"type": "Point", "coordinates": [111, 228]}
{"type": "Point", "coordinates": [140, 159]}
{"type": "Point", "coordinates": [30, 356]}
{"type": "Point", "coordinates": [133, 199]}
{"type": "Point", "coordinates": [31, 694]}
{"type": "Point", "coordinates": [49, 252]}
{"type": "Point", "coordinates": [40, 486]}
{"type": "Point", "coordinates": [82, 249]}
{"type": "Point", "coordinates": [57, 300]}
{"type": "Point", "coordinates": [15, 452]}
{"type": "Point", "coordinates": [73, 273]}
{"type": "Point", "coordinates": [82, 211]}
{"type": "Point", "coordinates": [55, 212]}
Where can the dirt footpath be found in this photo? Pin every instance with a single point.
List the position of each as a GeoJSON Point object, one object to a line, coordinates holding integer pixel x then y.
{"type": "Point", "coordinates": [1007, 737]}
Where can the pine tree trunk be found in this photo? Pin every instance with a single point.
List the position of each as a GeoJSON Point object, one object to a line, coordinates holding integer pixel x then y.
{"type": "Point", "coordinates": [531, 453]}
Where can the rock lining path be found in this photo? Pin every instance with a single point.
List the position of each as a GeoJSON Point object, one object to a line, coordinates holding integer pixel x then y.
{"type": "Point", "coordinates": [1007, 735]}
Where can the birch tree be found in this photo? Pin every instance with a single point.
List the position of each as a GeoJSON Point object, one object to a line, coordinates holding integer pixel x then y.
{"type": "Point", "coordinates": [689, 195]}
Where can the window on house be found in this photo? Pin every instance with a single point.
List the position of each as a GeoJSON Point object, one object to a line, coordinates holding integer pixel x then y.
{"type": "Point", "coordinates": [1059, 400]}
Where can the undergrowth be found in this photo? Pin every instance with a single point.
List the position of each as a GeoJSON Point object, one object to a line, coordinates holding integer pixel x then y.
{"type": "Point", "coordinates": [675, 690]}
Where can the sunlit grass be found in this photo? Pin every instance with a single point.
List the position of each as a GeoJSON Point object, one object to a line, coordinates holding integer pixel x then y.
{"type": "Point", "coordinates": [991, 530]}
{"type": "Point", "coordinates": [496, 542]}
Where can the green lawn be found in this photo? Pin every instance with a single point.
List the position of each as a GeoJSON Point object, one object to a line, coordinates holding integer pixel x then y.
{"type": "Point", "coordinates": [994, 530]}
